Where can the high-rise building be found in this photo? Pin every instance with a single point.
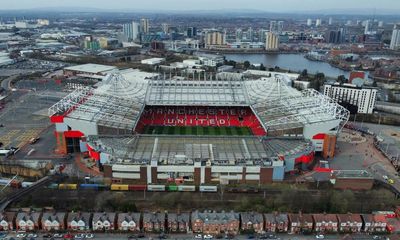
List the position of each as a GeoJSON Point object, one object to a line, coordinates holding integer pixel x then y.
{"type": "Point", "coordinates": [395, 41]}
{"type": "Point", "coordinates": [273, 27]}
{"type": "Point", "coordinates": [261, 35]}
{"type": "Point", "coordinates": [336, 36]}
{"type": "Point", "coordinates": [380, 24]}
{"type": "Point", "coordinates": [366, 26]}
{"type": "Point", "coordinates": [165, 27]}
{"type": "Point", "coordinates": [250, 35]}
{"type": "Point", "coordinates": [239, 35]}
{"type": "Point", "coordinates": [330, 21]}
{"type": "Point", "coordinates": [318, 22]}
{"type": "Point", "coordinates": [309, 22]}
{"type": "Point", "coordinates": [144, 25]}
{"type": "Point", "coordinates": [131, 31]}
{"type": "Point", "coordinates": [280, 26]}
{"type": "Point", "coordinates": [214, 38]}
{"type": "Point", "coordinates": [191, 32]}
{"type": "Point", "coordinates": [271, 41]}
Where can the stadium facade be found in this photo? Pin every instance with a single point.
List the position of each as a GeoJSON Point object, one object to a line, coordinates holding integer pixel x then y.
{"type": "Point", "coordinates": [220, 129]}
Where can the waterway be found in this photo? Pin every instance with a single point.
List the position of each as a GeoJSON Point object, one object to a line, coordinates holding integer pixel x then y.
{"type": "Point", "coordinates": [293, 62]}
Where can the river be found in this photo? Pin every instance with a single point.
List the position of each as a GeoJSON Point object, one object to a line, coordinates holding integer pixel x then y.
{"type": "Point", "coordinates": [293, 62]}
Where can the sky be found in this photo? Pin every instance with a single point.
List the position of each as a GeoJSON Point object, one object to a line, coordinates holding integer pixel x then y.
{"type": "Point", "coordinates": [265, 5]}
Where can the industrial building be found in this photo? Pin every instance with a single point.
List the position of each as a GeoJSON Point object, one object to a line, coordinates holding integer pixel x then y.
{"type": "Point", "coordinates": [224, 128]}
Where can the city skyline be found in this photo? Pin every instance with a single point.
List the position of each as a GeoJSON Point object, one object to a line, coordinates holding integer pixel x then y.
{"type": "Point", "coordinates": [180, 5]}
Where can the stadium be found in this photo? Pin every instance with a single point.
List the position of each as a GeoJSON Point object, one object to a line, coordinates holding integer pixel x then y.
{"type": "Point", "coordinates": [218, 129]}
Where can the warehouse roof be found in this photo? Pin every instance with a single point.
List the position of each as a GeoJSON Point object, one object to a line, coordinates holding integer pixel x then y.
{"type": "Point", "coordinates": [91, 68]}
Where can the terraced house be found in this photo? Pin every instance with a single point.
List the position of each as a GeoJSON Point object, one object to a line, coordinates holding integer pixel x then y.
{"type": "Point", "coordinates": [7, 221]}
{"type": "Point", "coordinates": [28, 221]}
{"type": "Point", "coordinates": [212, 222]}
{"type": "Point", "coordinates": [252, 222]}
{"type": "Point", "coordinates": [79, 221]}
{"type": "Point", "coordinates": [154, 222]}
{"type": "Point", "coordinates": [128, 222]}
{"type": "Point", "coordinates": [325, 223]}
{"type": "Point", "coordinates": [178, 222]}
{"type": "Point", "coordinates": [104, 221]}
{"type": "Point", "coordinates": [53, 221]}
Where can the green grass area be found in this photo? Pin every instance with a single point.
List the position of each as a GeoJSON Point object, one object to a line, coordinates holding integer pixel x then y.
{"type": "Point", "coordinates": [194, 130]}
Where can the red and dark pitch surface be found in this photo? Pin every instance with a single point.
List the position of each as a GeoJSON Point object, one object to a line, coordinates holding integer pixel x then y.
{"type": "Point", "coordinates": [180, 120]}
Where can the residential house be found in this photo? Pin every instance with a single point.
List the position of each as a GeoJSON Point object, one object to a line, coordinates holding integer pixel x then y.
{"type": "Point", "coordinates": [53, 221]}
{"type": "Point", "coordinates": [79, 221]}
{"type": "Point", "coordinates": [212, 222]}
{"type": "Point", "coordinates": [28, 221]}
{"type": "Point", "coordinates": [104, 221]}
{"type": "Point", "coordinates": [295, 223]}
{"type": "Point", "coordinates": [7, 221]}
{"type": "Point", "coordinates": [154, 222]}
{"type": "Point", "coordinates": [270, 222]}
{"type": "Point", "coordinates": [252, 222]}
{"type": "Point", "coordinates": [325, 223]}
{"type": "Point", "coordinates": [374, 223]}
{"type": "Point", "coordinates": [282, 222]}
{"type": "Point", "coordinates": [128, 222]}
{"type": "Point", "coordinates": [349, 223]}
{"type": "Point", "coordinates": [178, 222]}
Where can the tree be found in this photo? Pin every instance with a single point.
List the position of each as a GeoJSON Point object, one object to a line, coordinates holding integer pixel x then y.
{"type": "Point", "coordinates": [341, 79]}
{"type": "Point", "coordinates": [262, 67]}
{"type": "Point", "coordinates": [246, 64]}
{"type": "Point", "coordinates": [320, 76]}
{"type": "Point", "coordinates": [304, 73]}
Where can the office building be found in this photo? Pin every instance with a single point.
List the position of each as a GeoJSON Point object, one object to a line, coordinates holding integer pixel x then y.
{"type": "Point", "coordinates": [280, 26]}
{"type": "Point", "coordinates": [395, 41]}
{"type": "Point", "coordinates": [131, 31]}
{"type": "Point", "coordinates": [271, 41]}
{"type": "Point", "coordinates": [336, 36]}
{"type": "Point", "coordinates": [273, 26]}
{"type": "Point", "coordinates": [309, 22]}
{"type": "Point", "coordinates": [191, 32]}
{"type": "Point", "coordinates": [366, 27]}
{"type": "Point", "coordinates": [239, 35]}
{"type": "Point", "coordinates": [144, 25]}
{"type": "Point", "coordinates": [350, 95]}
{"type": "Point", "coordinates": [165, 27]}
{"type": "Point", "coordinates": [318, 22]}
{"type": "Point", "coordinates": [330, 21]}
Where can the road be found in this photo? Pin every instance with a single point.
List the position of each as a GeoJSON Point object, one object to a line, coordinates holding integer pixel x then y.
{"type": "Point", "coordinates": [121, 236]}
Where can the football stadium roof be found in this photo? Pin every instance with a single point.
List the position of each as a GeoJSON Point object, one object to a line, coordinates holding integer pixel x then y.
{"type": "Point", "coordinates": [118, 102]}
{"type": "Point", "coordinates": [243, 150]}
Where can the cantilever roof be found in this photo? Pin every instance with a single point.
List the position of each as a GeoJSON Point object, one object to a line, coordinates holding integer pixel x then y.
{"type": "Point", "coordinates": [239, 150]}
{"type": "Point", "coordinates": [118, 101]}
{"type": "Point", "coordinates": [203, 93]}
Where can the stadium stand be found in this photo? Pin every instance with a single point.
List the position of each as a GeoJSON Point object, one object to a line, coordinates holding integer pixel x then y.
{"type": "Point", "coordinates": [200, 117]}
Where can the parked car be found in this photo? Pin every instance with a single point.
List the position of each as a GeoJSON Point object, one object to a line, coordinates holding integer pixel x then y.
{"type": "Point", "coordinates": [208, 236]}
{"type": "Point", "coordinates": [21, 235]}
{"type": "Point", "coordinates": [57, 235]}
{"type": "Point", "coordinates": [47, 235]}
{"type": "Point", "coordinates": [32, 235]}
{"type": "Point", "coordinates": [198, 236]}
{"type": "Point", "coordinates": [79, 236]}
{"type": "Point", "coordinates": [89, 235]}
{"type": "Point", "coordinates": [320, 236]}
